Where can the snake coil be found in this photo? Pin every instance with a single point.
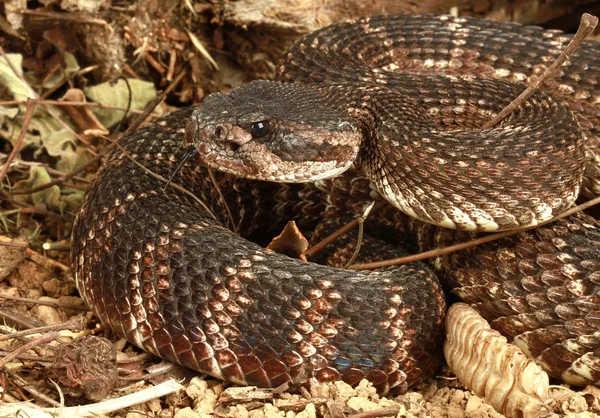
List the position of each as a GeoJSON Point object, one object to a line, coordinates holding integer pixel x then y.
{"type": "Point", "coordinates": [158, 266]}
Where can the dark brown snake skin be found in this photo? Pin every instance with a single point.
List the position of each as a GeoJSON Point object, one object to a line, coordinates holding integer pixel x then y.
{"type": "Point", "coordinates": [154, 265]}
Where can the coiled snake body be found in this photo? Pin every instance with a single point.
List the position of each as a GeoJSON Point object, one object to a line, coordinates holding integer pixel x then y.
{"type": "Point", "coordinates": [156, 265]}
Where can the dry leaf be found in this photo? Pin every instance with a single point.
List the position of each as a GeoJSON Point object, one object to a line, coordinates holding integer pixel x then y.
{"type": "Point", "coordinates": [133, 94]}
{"type": "Point", "coordinates": [290, 242]}
{"type": "Point", "coordinates": [51, 197]}
{"type": "Point", "coordinates": [200, 47]}
{"type": "Point", "coordinates": [82, 116]}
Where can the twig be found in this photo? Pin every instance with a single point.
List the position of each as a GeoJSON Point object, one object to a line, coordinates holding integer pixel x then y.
{"type": "Point", "coordinates": [45, 261]}
{"type": "Point", "coordinates": [65, 177]}
{"type": "Point", "coordinates": [28, 357]}
{"type": "Point", "coordinates": [11, 317]}
{"type": "Point", "coordinates": [74, 325]}
{"type": "Point", "coordinates": [42, 302]}
{"type": "Point", "coordinates": [147, 376]}
{"type": "Point", "coordinates": [586, 26]}
{"type": "Point", "coordinates": [51, 171]}
{"type": "Point", "coordinates": [18, 389]}
{"type": "Point", "coordinates": [51, 336]}
{"type": "Point", "coordinates": [463, 245]}
{"type": "Point", "coordinates": [331, 238]}
{"type": "Point", "coordinates": [161, 178]}
{"type": "Point", "coordinates": [101, 408]}
{"type": "Point", "coordinates": [38, 209]}
{"type": "Point", "coordinates": [152, 105]}
{"type": "Point", "coordinates": [384, 412]}
{"type": "Point", "coordinates": [66, 78]}
{"type": "Point", "coordinates": [28, 115]}
{"type": "Point", "coordinates": [53, 112]}
{"type": "Point", "coordinates": [59, 103]}
{"type": "Point", "coordinates": [13, 244]}
{"type": "Point", "coordinates": [27, 387]}
{"type": "Point", "coordinates": [175, 82]}
{"type": "Point", "coordinates": [53, 246]}
{"type": "Point", "coordinates": [134, 125]}
{"type": "Point", "coordinates": [361, 224]}
{"type": "Point", "coordinates": [129, 99]}
{"type": "Point", "coordinates": [142, 116]}
{"type": "Point", "coordinates": [218, 189]}
{"type": "Point", "coordinates": [15, 71]}
{"type": "Point", "coordinates": [71, 17]}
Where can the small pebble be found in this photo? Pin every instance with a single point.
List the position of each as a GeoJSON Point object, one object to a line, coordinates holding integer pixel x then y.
{"type": "Point", "coordinates": [47, 314]}
{"type": "Point", "coordinates": [196, 388]}
{"type": "Point", "coordinates": [186, 413]}
{"type": "Point", "coordinates": [362, 404]}
{"type": "Point", "coordinates": [206, 404]}
{"type": "Point", "coordinates": [575, 404]}
{"type": "Point", "coordinates": [473, 404]}
{"type": "Point", "coordinates": [309, 412]}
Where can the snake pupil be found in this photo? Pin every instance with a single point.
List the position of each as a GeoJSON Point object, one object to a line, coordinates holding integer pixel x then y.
{"type": "Point", "coordinates": [259, 129]}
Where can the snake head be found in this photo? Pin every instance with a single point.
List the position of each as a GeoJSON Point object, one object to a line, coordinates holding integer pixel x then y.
{"type": "Point", "coordinates": [276, 132]}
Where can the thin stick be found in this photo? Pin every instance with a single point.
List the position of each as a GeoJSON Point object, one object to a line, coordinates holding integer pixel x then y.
{"type": "Point", "coordinates": [218, 190]}
{"type": "Point", "coordinates": [13, 244]}
{"type": "Point", "coordinates": [361, 227]}
{"type": "Point", "coordinates": [97, 409]}
{"type": "Point", "coordinates": [147, 376]}
{"type": "Point", "coordinates": [52, 112]}
{"type": "Point", "coordinates": [331, 238]}
{"type": "Point", "coordinates": [586, 26]}
{"type": "Point", "coordinates": [60, 103]}
{"type": "Point", "coordinates": [384, 412]}
{"type": "Point", "coordinates": [161, 178]}
{"type": "Point", "coordinates": [152, 105]}
{"type": "Point", "coordinates": [22, 394]}
{"type": "Point", "coordinates": [31, 104]}
{"type": "Point", "coordinates": [7, 316]}
{"type": "Point", "coordinates": [51, 171]}
{"type": "Point", "coordinates": [28, 357]}
{"type": "Point", "coordinates": [51, 336]}
{"type": "Point", "coordinates": [42, 302]}
{"type": "Point", "coordinates": [46, 261]}
{"type": "Point", "coordinates": [78, 18]}
{"type": "Point", "coordinates": [135, 124]}
{"type": "Point", "coordinates": [65, 177]}
{"type": "Point", "coordinates": [74, 325]}
{"type": "Point", "coordinates": [143, 115]}
{"type": "Point", "coordinates": [53, 246]}
{"type": "Point", "coordinates": [28, 387]}
{"type": "Point", "coordinates": [463, 245]}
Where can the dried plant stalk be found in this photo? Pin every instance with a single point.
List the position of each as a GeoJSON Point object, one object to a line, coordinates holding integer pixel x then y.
{"type": "Point", "coordinates": [495, 370]}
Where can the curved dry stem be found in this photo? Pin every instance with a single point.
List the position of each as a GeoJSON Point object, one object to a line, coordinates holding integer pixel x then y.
{"type": "Point", "coordinates": [437, 252]}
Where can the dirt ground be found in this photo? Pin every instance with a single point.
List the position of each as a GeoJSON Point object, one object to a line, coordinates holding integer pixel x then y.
{"type": "Point", "coordinates": [69, 59]}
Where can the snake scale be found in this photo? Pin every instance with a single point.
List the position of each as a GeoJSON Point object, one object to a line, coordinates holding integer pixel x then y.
{"type": "Point", "coordinates": [402, 99]}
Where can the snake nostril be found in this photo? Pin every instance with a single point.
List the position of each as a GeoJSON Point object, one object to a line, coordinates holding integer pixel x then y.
{"type": "Point", "coordinates": [218, 131]}
{"type": "Point", "coordinates": [231, 146]}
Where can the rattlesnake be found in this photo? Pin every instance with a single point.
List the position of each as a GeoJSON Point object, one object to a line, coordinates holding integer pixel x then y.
{"type": "Point", "coordinates": [154, 264]}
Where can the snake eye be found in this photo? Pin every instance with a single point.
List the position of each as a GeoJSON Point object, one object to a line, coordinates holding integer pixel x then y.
{"type": "Point", "coordinates": [259, 129]}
